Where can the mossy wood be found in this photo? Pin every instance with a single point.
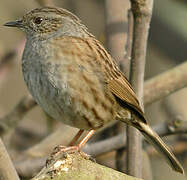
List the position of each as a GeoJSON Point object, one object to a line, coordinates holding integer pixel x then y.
{"type": "Point", "coordinates": [74, 166]}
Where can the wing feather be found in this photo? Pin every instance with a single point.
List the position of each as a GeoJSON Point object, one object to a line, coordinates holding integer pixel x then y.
{"type": "Point", "coordinates": [121, 88]}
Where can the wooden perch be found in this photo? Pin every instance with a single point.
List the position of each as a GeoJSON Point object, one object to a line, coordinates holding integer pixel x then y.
{"type": "Point", "coordinates": [76, 166]}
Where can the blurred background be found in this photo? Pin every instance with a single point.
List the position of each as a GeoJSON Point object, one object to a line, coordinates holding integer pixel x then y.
{"type": "Point", "coordinates": [167, 47]}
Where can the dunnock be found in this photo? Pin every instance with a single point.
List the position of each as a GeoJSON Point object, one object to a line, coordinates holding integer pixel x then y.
{"type": "Point", "coordinates": [74, 79]}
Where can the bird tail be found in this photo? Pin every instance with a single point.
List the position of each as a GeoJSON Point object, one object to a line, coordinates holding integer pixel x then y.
{"type": "Point", "coordinates": [153, 138]}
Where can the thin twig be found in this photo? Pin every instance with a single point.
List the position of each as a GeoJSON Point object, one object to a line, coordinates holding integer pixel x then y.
{"type": "Point", "coordinates": [142, 12]}
{"type": "Point", "coordinates": [7, 170]}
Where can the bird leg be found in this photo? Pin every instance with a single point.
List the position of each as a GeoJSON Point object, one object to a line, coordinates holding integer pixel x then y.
{"type": "Point", "coordinates": [81, 143]}
{"type": "Point", "coordinates": [76, 137]}
{"type": "Point", "coordinates": [85, 139]}
{"type": "Point", "coordinates": [60, 150]}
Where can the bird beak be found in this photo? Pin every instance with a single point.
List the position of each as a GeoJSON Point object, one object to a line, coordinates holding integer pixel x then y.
{"type": "Point", "coordinates": [17, 23]}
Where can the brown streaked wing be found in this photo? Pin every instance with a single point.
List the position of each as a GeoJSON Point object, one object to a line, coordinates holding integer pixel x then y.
{"type": "Point", "coordinates": [117, 82]}
{"type": "Point", "coordinates": [121, 88]}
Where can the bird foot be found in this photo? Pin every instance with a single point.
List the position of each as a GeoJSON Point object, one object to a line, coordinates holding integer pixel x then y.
{"type": "Point", "coordinates": [63, 151]}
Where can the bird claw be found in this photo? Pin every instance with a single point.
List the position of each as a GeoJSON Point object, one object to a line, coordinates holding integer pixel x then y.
{"type": "Point", "coordinates": [63, 151]}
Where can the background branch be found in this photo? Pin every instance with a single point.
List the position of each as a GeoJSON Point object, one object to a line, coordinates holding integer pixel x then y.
{"type": "Point", "coordinates": [142, 12]}
{"type": "Point", "coordinates": [165, 83]}
{"type": "Point", "coordinates": [10, 120]}
{"type": "Point", "coordinates": [7, 170]}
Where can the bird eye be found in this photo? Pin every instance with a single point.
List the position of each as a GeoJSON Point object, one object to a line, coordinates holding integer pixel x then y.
{"type": "Point", "coordinates": [38, 20]}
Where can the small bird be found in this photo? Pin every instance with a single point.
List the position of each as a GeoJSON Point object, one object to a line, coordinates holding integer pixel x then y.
{"type": "Point", "coordinates": [75, 80]}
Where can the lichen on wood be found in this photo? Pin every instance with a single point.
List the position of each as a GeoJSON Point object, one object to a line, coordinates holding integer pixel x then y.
{"type": "Point", "coordinates": [76, 166]}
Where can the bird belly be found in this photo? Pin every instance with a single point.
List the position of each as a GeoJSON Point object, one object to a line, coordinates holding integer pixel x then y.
{"type": "Point", "coordinates": [72, 100]}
